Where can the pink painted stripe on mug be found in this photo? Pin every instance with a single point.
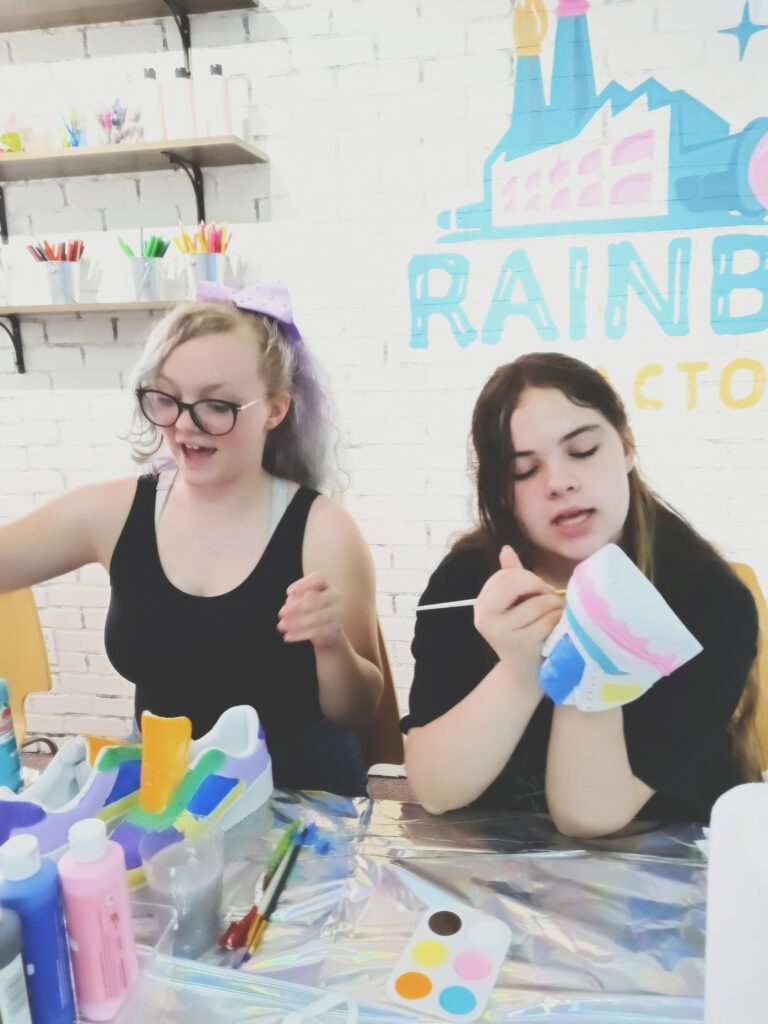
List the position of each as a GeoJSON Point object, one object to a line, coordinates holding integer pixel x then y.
{"type": "Point", "coordinates": [598, 611]}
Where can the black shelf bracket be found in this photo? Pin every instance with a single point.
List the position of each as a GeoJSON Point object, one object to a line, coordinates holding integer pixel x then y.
{"type": "Point", "coordinates": [13, 330]}
{"type": "Point", "coordinates": [194, 174]}
{"type": "Point", "coordinates": [3, 217]}
{"type": "Point", "coordinates": [181, 18]}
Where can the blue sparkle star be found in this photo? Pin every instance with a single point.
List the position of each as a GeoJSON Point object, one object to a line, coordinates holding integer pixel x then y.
{"type": "Point", "coordinates": [744, 30]}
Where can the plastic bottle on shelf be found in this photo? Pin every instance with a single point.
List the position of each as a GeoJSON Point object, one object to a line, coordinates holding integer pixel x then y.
{"type": "Point", "coordinates": [218, 116]}
{"type": "Point", "coordinates": [10, 769]}
{"type": "Point", "coordinates": [97, 911]}
{"type": "Point", "coordinates": [152, 111]}
{"type": "Point", "coordinates": [14, 1004]}
{"type": "Point", "coordinates": [30, 886]}
{"type": "Point", "coordinates": [180, 119]}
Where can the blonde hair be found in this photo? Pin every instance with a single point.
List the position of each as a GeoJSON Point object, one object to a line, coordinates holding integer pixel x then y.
{"type": "Point", "coordinates": [298, 448]}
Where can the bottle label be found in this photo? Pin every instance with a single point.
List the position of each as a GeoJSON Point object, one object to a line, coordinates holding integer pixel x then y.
{"type": "Point", "coordinates": [102, 945]}
{"type": "Point", "coordinates": [14, 1005]}
{"type": "Point", "coordinates": [10, 768]}
{"type": "Point", "coordinates": [6, 721]}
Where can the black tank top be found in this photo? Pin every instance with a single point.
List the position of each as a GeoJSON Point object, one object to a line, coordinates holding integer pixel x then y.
{"type": "Point", "coordinates": [198, 656]}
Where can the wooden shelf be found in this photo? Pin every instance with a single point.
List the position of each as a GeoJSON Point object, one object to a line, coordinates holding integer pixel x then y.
{"type": "Point", "coordinates": [21, 15]}
{"type": "Point", "coordinates": [127, 158]}
{"type": "Point", "coordinates": [87, 307]}
{"type": "Point", "coordinates": [188, 154]}
{"type": "Point", "coordinates": [12, 316]}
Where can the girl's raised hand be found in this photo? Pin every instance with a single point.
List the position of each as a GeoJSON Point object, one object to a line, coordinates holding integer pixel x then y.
{"type": "Point", "coordinates": [516, 611]}
{"type": "Point", "coordinates": [312, 611]}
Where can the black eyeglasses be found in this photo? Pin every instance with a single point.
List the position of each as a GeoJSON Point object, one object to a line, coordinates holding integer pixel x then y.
{"type": "Point", "coordinates": [211, 415]}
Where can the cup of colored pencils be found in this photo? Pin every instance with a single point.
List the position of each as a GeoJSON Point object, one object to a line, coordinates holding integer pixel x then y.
{"type": "Point", "coordinates": [147, 267]}
{"type": "Point", "coordinates": [204, 251]}
{"type": "Point", "coordinates": [61, 267]}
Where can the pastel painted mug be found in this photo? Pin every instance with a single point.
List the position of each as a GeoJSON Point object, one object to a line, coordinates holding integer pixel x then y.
{"type": "Point", "coordinates": [617, 637]}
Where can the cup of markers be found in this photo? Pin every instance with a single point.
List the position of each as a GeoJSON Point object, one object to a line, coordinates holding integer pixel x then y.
{"type": "Point", "coordinates": [60, 265]}
{"type": "Point", "coordinates": [204, 253]}
{"type": "Point", "coordinates": [147, 268]}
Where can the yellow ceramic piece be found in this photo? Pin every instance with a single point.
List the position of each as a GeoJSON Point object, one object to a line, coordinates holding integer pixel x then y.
{"type": "Point", "coordinates": [620, 693]}
{"type": "Point", "coordinates": [165, 759]}
{"type": "Point", "coordinates": [95, 744]}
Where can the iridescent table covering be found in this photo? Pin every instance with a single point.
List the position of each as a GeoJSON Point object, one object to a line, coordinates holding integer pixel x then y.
{"type": "Point", "coordinates": [606, 932]}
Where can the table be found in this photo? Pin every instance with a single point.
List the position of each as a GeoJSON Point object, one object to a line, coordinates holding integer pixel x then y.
{"type": "Point", "coordinates": [605, 932]}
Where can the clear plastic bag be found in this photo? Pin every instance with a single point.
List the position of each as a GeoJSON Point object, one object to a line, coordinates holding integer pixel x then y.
{"type": "Point", "coordinates": [317, 1011]}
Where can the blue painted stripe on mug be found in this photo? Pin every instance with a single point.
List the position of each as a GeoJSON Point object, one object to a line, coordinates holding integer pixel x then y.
{"type": "Point", "coordinates": [595, 652]}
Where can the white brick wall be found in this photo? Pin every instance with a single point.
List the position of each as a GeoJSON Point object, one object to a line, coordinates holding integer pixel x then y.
{"type": "Point", "coordinates": [376, 116]}
{"type": "Point", "coordinates": [52, 45]}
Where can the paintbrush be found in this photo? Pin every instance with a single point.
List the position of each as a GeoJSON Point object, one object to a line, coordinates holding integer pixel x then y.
{"type": "Point", "coordinates": [272, 895]}
{"type": "Point", "coordinates": [466, 603]}
{"type": "Point", "coordinates": [236, 935]}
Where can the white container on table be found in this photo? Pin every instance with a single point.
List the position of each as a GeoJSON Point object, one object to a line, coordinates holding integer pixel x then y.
{"type": "Point", "coordinates": [736, 974]}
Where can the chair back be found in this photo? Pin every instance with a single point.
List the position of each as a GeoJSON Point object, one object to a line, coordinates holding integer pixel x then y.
{"type": "Point", "coordinates": [747, 576]}
{"type": "Point", "coordinates": [382, 741]}
{"type": "Point", "coordinates": [23, 657]}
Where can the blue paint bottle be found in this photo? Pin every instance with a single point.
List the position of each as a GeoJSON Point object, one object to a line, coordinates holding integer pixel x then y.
{"type": "Point", "coordinates": [31, 887]}
{"type": "Point", "coordinates": [10, 769]}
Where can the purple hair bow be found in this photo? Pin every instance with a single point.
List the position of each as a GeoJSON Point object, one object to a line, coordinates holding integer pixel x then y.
{"type": "Point", "coordinates": [269, 299]}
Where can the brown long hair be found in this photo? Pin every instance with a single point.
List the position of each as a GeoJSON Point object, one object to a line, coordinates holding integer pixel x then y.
{"type": "Point", "coordinates": [492, 453]}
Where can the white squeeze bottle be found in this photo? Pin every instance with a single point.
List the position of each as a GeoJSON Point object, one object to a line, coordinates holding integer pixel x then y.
{"type": "Point", "coordinates": [14, 1004]}
{"type": "Point", "coordinates": [180, 119]}
{"type": "Point", "coordinates": [735, 976]}
{"type": "Point", "coordinates": [152, 112]}
{"type": "Point", "coordinates": [218, 118]}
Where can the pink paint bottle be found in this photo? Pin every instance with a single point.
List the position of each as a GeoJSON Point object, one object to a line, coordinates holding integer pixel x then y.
{"type": "Point", "coordinates": [98, 915]}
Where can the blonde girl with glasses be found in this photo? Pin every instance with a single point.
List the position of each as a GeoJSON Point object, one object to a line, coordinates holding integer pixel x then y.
{"type": "Point", "coordinates": [233, 580]}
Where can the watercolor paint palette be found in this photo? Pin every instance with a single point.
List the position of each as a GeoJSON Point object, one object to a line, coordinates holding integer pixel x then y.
{"type": "Point", "coordinates": [451, 964]}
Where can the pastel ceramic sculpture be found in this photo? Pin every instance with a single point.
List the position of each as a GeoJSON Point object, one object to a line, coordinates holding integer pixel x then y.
{"type": "Point", "coordinates": [88, 778]}
{"type": "Point", "coordinates": [617, 637]}
{"type": "Point", "coordinates": [227, 775]}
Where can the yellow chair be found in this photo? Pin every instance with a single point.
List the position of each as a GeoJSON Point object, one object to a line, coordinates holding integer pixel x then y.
{"type": "Point", "coordinates": [23, 657]}
{"type": "Point", "coordinates": [382, 741]}
{"type": "Point", "coordinates": [747, 576]}
{"type": "Point", "coordinates": [24, 663]}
